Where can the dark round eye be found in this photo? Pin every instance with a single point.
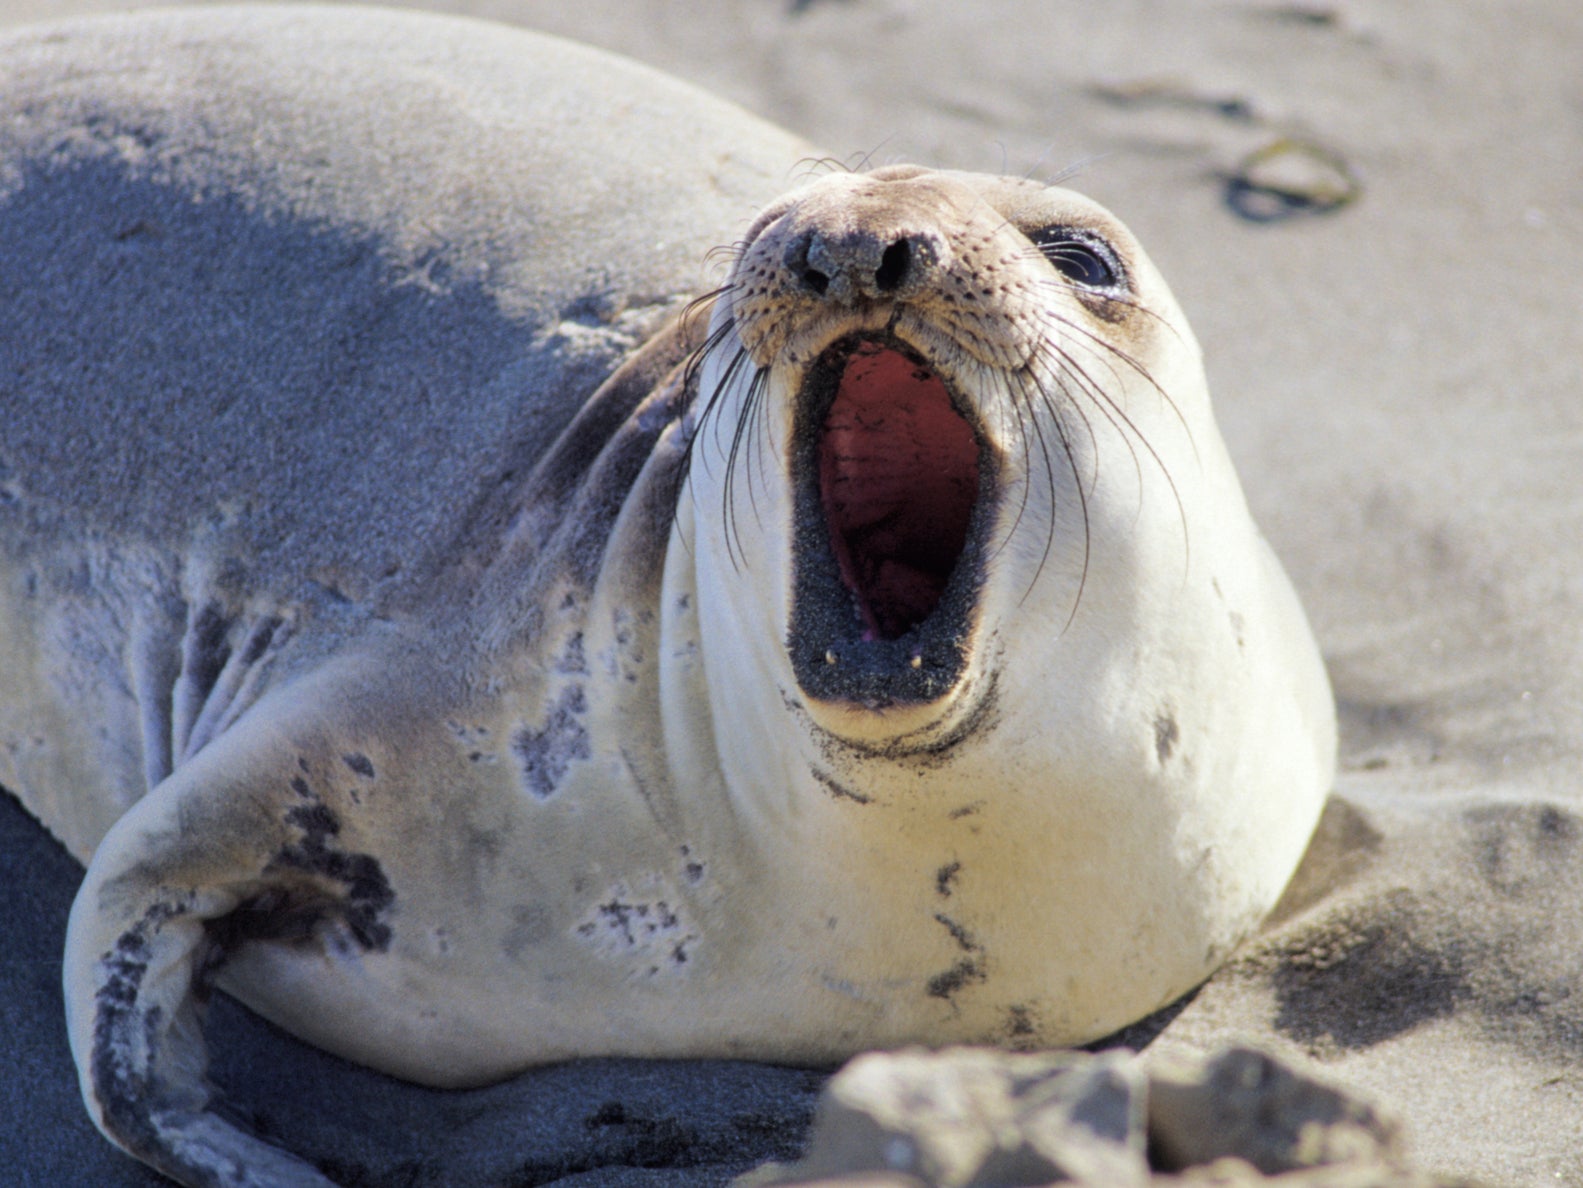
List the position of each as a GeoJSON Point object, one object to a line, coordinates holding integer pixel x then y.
{"type": "Point", "coordinates": [1080, 256]}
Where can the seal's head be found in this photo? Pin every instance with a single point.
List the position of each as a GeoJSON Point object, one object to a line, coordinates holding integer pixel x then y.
{"type": "Point", "coordinates": [912, 376]}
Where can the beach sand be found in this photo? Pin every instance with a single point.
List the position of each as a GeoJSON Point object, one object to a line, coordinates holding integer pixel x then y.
{"type": "Point", "coordinates": [1399, 378]}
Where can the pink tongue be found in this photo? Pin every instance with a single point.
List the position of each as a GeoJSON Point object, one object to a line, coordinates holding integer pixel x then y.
{"type": "Point", "coordinates": [898, 473]}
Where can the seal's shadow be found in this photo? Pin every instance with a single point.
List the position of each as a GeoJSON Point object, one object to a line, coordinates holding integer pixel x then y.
{"type": "Point", "coordinates": [48, 1138]}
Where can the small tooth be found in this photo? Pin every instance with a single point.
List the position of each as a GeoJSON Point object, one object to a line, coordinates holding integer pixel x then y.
{"type": "Point", "coordinates": [829, 657]}
{"type": "Point", "coordinates": [917, 661]}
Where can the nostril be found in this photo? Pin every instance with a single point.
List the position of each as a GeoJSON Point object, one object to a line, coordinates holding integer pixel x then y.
{"type": "Point", "coordinates": [893, 265]}
{"type": "Point", "coordinates": [806, 258]}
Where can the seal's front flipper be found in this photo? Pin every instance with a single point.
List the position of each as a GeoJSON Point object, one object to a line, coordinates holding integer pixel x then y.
{"type": "Point", "coordinates": [146, 930]}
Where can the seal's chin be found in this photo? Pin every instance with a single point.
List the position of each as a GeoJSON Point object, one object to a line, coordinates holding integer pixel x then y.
{"type": "Point", "coordinates": [893, 486]}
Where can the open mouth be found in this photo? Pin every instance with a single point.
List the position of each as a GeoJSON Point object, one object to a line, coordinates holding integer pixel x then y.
{"type": "Point", "coordinates": [898, 478]}
{"type": "Point", "coordinates": [890, 495]}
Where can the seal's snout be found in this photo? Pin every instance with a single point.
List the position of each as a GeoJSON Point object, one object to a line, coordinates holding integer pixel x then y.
{"type": "Point", "coordinates": [929, 339]}
{"type": "Point", "coordinates": [845, 265]}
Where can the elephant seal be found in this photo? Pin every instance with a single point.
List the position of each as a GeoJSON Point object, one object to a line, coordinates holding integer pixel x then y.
{"type": "Point", "coordinates": [429, 631]}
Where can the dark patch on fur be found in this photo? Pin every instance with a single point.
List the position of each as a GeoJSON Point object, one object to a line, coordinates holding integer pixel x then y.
{"type": "Point", "coordinates": [945, 876]}
{"type": "Point", "coordinates": [1165, 735]}
{"type": "Point", "coordinates": [624, 915]}
{"type": "Point", "coordinates": [365, 892]}
{"type": "Point", "coordinates": [638, 923]}
{"type": "Point", "coordinates": [1020, 1026]}
{"type": "Point", "coordinates": [547, 754]}
{"type": "Point", "coordinates": [280, 914]}
{"type": "Point", "coordinates": [944, 985]}
{"type": "Point", "coordinates": [1356, 979]}
{"type": "Point", "coordinates": [571, 660]}
{"type": "Point", "coordinates": [360, 764]}
{"type": "Point", "coordinates": [126, 1094]}
{"type": "Point", "coordinates": [838, 790]}
{"type": "Point", "coordinates": [968, 969]}
{"type": "Point", "coordinates": [693, 869]}
{"type": "Point", "coordinates": [960, 935]}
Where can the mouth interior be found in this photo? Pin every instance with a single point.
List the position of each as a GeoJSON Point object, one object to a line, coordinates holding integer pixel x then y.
{"type": "Point", "coordinates": [898, 477]}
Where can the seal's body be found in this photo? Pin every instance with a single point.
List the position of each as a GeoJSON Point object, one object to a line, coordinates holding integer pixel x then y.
{"type": "Point", "coordinates": [471, 663]}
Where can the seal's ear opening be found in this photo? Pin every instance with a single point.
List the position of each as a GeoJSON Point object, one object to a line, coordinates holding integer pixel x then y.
{"type": "Point", "coordinates": [898, 480]}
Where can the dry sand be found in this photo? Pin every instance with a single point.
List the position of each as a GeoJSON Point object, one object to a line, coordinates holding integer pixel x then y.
{"type": "Point", "coordinates": [1399, 382]}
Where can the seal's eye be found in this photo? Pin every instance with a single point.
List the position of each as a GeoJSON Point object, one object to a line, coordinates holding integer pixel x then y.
{"type": "Point", "coordinates": [1080, 256]}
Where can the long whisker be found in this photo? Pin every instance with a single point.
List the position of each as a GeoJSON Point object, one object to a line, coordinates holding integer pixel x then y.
{"type": "Point", "coordinates": [1125, 357]}
{"type": "Point", "coordinates": [1069, 371]}
{"type": "Point", "coordinates": [728, 504]}
{"type": "Point", "coordinates": [710, 344]}
{"type": "Point", "coordinates": [1124, 425]}
{"type": "Point", "coordinates": [1012, 382]}
{"type": "Point", "coordinates": [747, 430]}
{"type": "Point", "coordinates": [705, 406]}
{"type": "Point", "coordinates": [1088, 536]}
{"type": "Point", "coordinates": [1108, 404]}
{"type": "Point", "coordinates": [1049, 478]}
